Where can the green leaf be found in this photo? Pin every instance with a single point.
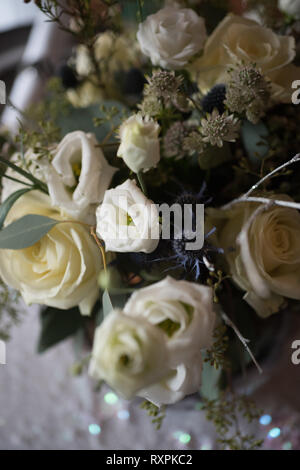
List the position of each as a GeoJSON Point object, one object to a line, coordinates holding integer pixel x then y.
{"type": "Point", "coordinates": [210, 381]}
{"type": "Point", "coordinates": [9, 202]}
{"type": "Point", "coordinates": [106, 303]}
{"type": "Point", "coordinates": [57, 325]}
{"type": "Point", "coordinates": [254, 140]}
{"type": "Point", "coordinates": [213, 157]}
{"type": "Point", "coordinates": [25, 231]}
{"type": "Point", "coordinates": [83, 119]}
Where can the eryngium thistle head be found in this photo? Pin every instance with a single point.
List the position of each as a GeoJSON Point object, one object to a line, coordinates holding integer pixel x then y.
{"type": "Point", "coordinates": [163, 85]}
{"type": "Point", "coordinates": [174, 139]}
{"type": "Point", "coordinates": [219, 128]}
{"type": "Point", "coordinates": [215, 99]}
{"type": "Point", "coordinates": [248, 92]}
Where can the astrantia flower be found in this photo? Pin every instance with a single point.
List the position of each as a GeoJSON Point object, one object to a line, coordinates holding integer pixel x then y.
{"type": "Point", "coordinates": [193, 143]}
{"type": "Point", "coordinates": [249, 92]}
{"type": "Point", "coordinates": [217, 128]}
{"type": "Point", "coordinates": [291, 7]}
{"type": "Point", "coordinates": [174, 140]}
{"type": "Point", "coordinates": [163, 84]}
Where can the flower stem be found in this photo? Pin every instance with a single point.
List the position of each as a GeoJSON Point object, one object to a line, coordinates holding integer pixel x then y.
{"type": "Point", "coordinates": [142, 182]}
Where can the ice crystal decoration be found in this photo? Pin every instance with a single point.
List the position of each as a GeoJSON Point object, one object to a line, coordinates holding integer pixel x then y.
{"type": "Point", "coordinates": [174, 140]}
{"type": "Point", "coordinates": [219, 128]}
{"type": "Point", "coordinates": [248, 92]}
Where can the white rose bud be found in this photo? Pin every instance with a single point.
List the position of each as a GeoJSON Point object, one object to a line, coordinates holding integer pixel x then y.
{"type": "Point", "coordinates": [139, 147]}
{"type": "Point", "coordinates": [129, 354]}
{"type": "Point", "coordinates": [291, 7]}
{"type": "Point", "coordinates": [127, 221]}
{"type": "Point", "coordinates": [172, 36]}
{"type": "Point", "coordinates": [78, 176]}
{"type": "Point", "coordinates": [184, 312]}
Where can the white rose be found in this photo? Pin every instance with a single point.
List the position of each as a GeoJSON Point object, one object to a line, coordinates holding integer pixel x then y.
{"type": "Point", "coordinates": [181, 381]}
{"type": "Point", "coordinates": [61, 269]}
{"type": "Point", "coordinates": [129, 354]}
{"type": "Point", "coordinates": [183, 310]}
{"type": "Point", "coordinates": [172, 36]}
{"type": "Point", "coordinates": [264, 258]}
{"type": "Point", "coordinates": [127, 221]}
{"type": "Point", "coordinates": [291, 7]}
{"type": "Point", "coordinates": [78, 176]}
{"type": "Point", "coordinates": [240, 40]}
{"type": "Point", "coordinates": [139, 147]}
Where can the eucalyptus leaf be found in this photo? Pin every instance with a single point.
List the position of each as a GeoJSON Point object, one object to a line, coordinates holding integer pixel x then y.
{"type": "Point", "coordinates": [9, 202]}
{"type": "Point", "coordinates": [25, 231]}
{"type": "Point", "coordinates": [210, 381]}
{"type": "Point", "coordinates": [254, 140]}
{"type": "Point", "coordinates": [106, 303]}
{"type": "Point", "coordinates": [57, 325]}
{"type": "Point", "coordinates": [83, 118]}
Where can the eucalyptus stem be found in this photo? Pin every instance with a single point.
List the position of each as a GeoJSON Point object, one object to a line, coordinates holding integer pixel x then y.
{"type": "Point", "coordinates": [17, 181]}
{"type": "Point", "coordinates": [140, 10]}
{"type": "Point", "coordinates": [40, 185]}
{"type": "Point", "coordinates": [142, 182]}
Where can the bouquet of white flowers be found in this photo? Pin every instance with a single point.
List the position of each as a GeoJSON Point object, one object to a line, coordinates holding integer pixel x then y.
{"type": "Point", "coordinates": [154, 203]}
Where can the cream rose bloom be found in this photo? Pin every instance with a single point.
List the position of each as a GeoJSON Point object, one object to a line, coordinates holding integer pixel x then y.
{"type": "Point", "coordinates": [127, 221]}
{"type": "Point", "coordinates": [239, 39]}
{"type": "Point", "coordinates": [263, 257]}
{"type": "Point", "coordinates": [139, 147]}
{"type": "Point", "coordinates": [78, 176]}
{"type": "Point", "coordinates": [291, 7]}
{"type": "Point", "coordinates": [172, 36]}
{"type": "Point", "coordinates": [184, 312]}
{"type": "Point", "coordinates": [128, 353]}
{"type": "Point", "coordinates": [61, 269]}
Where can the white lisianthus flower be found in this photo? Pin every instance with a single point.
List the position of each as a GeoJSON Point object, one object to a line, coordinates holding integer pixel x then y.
{"type": "Point", "coordinates": [127, 221]}
{"type": "Point", "coordinates": [262, 250]}
{"type": "Point", "coordinates": [78, 176]}
{"type": "Point", "coordinates": [183, 310]}
{"type": "Point", "coordinates": [129, 354]}
{"type": "Point", "coordinates": [61, 269]}
{"type": "Point", "coordinates": [139, 147]}
{"type": "Point", "coordinates": [291, 7]}
{"type": "Point", "coordinates": [181, 381]}
{"type": "Point", "coordinates": [172, 36]}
